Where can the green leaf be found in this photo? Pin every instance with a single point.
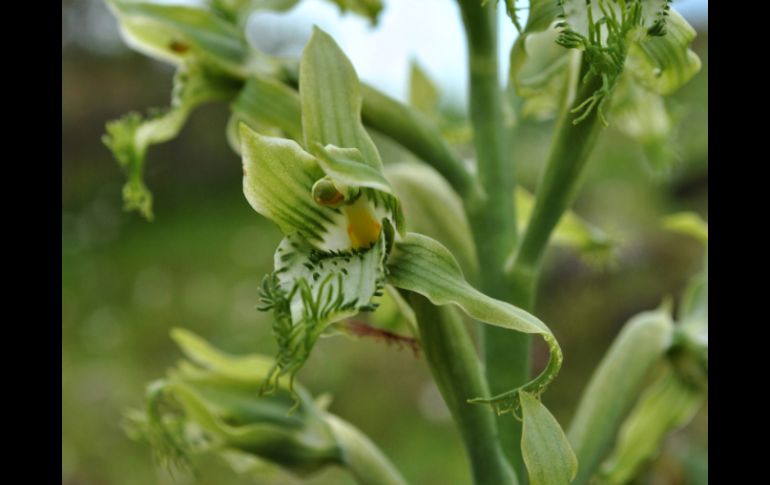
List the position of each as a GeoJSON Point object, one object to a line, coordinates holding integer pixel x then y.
{"type": "Point", "coordinates": [665, 406]}
{"type": "Point", "coordinates": [693, 309]}
{"type": "Point", "coordinates": [546, 451]}
{"type": "Point", "coordinates": [129, 137]}
{"type": "Point", "coordinates": [331, 99]}
{"type": "Point", "coordinates": [434, 210]}
{"type": "Point", "coordinates": [422, 265]}
{"type": "Point", "coordinates": [694, 304]}
{"type": "Point", "coordinates": [174, 32]}
{"type": "Point", "coordinates": [615, 386]}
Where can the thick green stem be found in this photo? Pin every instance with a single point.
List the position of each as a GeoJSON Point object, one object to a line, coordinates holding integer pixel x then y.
{"type": "Point", "coordinates": [557, 190]}
{"type": "Point", "coordinates": [494, 223]}
{"type": "Point", "coordinates": [507, 366]}
{"type": "Point", "coordinates": [420, 136]}
{"type": "Point", "coordinates": [452, 359]}
{"type": "Point", "coordinates": [361, 457]}
{"type": "Point", "coordinates": [559, 183]}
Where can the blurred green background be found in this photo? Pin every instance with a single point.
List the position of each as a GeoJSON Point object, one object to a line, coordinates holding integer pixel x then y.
{"type": "Point", "coordinates": [126, 282]}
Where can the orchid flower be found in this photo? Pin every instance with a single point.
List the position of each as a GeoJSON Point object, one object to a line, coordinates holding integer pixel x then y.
{"type": "Point", "coordinates": [637, 47]}
{"type": "Point", "coordinates": [206, 406]}
{"type": "Point", "coordinates": [345, 233]}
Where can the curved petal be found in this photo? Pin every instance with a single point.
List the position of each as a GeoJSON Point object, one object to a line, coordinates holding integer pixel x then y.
{"type": "Point", "coordinates": [423, 265]}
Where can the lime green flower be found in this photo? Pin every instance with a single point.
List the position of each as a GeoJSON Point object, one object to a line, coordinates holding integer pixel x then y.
{"type": "Point", "coordinates": [345, 236]}
{"type": "Point", "coordinates": [208, 405]}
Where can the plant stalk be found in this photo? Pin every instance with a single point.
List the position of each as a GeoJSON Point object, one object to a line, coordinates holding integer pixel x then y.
{"type": "Point", "coordinates": [420, 136]}
{"type": "Point", "coordinates": [455, 367]}
{"type": "Point", "coordinates": [506, 353]}
{"type": "Point", "coordinates": [558, 185]}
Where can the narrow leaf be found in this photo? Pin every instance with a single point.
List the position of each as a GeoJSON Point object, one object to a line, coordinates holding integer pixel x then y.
{"type": "Point", "coordinates": [546, 451]}
{"type": "Point", "coordinates": [423, 265]}
{"type": "Point", "coordinates": [667, 405]}
{"type": "Point", "coordinates": [615, 386]}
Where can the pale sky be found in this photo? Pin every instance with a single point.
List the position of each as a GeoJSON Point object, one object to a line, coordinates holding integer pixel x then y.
{"type": "Point", "coordinates": [429, 31]}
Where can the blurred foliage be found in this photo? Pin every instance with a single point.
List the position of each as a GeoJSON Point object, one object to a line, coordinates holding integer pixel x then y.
{"type": "Point", "coordinates": [126, 282]}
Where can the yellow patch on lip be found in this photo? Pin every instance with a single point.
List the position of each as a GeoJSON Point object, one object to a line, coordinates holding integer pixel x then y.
{"type": "Point", "coordinates": [363, 228]}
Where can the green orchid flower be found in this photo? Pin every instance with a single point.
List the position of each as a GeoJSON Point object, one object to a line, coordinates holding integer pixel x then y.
{"type": "Point", "coordinates": [639, 47]}
{"type": "Point", "coordinates": [345, 233]}
{"type": "Point", "coordinates": [207, 405]}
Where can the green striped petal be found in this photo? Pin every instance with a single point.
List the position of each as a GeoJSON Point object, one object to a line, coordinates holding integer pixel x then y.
{"type": "Point", "coordinates": [664, 63]}
{"type": "Point", "coordinates": [279, 181]}
{"type": "Point", "coordinates": [173, 32]}
{"type": "Point", "coordinates": [537, 63]}
{"type": "Point", "coordinates": [278, 178]}
{"type": "Point", "coordinates": [422, 265]}
{"type": "Point", "coordinates": [330, 94]}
